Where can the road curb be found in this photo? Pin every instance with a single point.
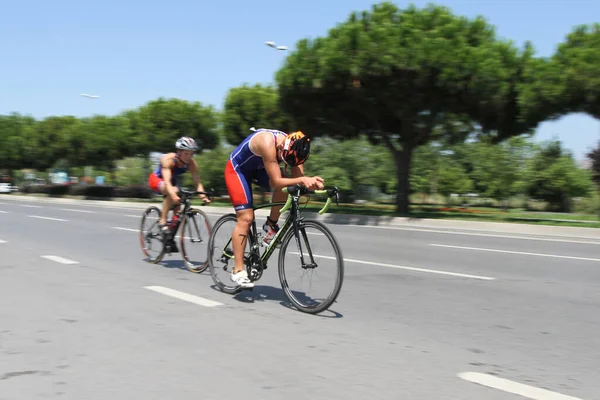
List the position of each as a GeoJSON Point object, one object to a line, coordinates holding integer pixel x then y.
{"type": "Point", "coordinates": [356, 219]}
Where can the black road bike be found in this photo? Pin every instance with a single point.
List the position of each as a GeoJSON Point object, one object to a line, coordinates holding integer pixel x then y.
{"type": "Point", "coordinates": [190, 219]}
{"type": "Point", "coordinates": [294, 227]}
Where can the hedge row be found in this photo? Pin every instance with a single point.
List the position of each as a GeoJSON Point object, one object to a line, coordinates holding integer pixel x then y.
{"type": "Point", "coordinates": [92, 191]}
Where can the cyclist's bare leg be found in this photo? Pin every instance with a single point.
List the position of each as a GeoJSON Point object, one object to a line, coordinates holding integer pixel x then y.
{"type": "Point", "coordinates": [240, 237]}
{"type": "Point", "coordinates": [239, 240]}
{"type": "Point", "coordinates": [167, 204]}
{"type": "Point", "coordinates": [278, 196]}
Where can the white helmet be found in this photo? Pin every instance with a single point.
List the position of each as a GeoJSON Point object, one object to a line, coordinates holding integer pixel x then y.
{"type": "Point", "coordinates": [186, 143]}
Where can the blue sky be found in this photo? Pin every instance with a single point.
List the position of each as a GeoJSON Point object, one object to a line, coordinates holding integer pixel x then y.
{"type": "Point", "coordinates": [133, 51]}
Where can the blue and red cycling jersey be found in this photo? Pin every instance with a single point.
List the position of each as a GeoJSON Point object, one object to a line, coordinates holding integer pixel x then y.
{"type": "Point", "coordinates": [156, 178]}
{"type": "Point", "coordinates": [243, 168]}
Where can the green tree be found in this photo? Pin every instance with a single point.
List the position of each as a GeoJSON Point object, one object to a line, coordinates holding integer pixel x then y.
{"type": "Point", "coordinates": [350, 163]}
{"type": "Point", "coordinates": [159, 123]}
{"type": "Point", "coordinates": [51, 143]}
{"type": "Point", "coordinates": [156, 126]}
{"type": "Point", "coordinates": [405, 77]}
{"type": "Point", "coordinates": [211, 164]}
{"type": "Point", "coordinates": [77, 144]}
{"type": "Point", "coordinates": [578, 60]}
{"type": "Point", "coordinates": [594, 157]}
{"type": "Point", "coordinates": [425, 169]}
{"type": "Point", "coordinates": [498, 170]}
{"type": "Point", "coordinates": [106, 140]}
{"type": "Point", "coordinates": [452, 178]}
{"type": "Point", "coordinates": [18, 142]}
{"type": "Point", "coordinates": [554, 177]}
{"type": "Point", "coordinates": [252, 106]}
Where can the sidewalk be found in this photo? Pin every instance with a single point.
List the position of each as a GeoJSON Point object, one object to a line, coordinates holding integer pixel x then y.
{"type": "Point", "coordinates": [354, 219]}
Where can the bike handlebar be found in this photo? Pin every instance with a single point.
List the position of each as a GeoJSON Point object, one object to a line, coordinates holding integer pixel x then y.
{"type": "Point", "coordinates": [297, 190]}
{"type": "Point", "coordinates": [190, 193]}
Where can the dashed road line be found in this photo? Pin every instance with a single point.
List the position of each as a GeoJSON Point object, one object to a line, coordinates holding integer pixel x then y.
{"type": "Point", "coordinates": [431, 271]}
{"type": "Point", "coordinates": [60, 260]}
{"type": "Point", "coordinates": [201, 301]}
{"type": "Point", "coordinates": [509, 386]}
{"type": "Point", "coordinates": [48, 218]}
{"type": "Point", "coordinates": [125, 229]}
{"type": "Point", "coordinates": [517, 252]}
{"type": "Point", "coordinates": [81, 211]}
{"type": "Point", "coordinates": [494, 235]}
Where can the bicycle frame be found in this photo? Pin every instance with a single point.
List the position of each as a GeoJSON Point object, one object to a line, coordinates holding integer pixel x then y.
{"type": "Point", "coordinates": [187, 206]}
{"type": "Point", "coordinates": [292, 219]}
{"type": "Point", "coordinates": [291, 222]}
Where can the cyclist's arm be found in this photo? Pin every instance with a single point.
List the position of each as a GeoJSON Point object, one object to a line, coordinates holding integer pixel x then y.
{"type": "Point", "coordinates": [196, 177]}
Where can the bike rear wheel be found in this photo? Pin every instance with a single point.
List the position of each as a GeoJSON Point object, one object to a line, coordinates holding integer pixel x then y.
{"type": "Point", "coordinates": [152, 231]}
{"type": "Point", "coordinates": [196, 231]}
{"type": "Point", "coordinates": [312, 262]}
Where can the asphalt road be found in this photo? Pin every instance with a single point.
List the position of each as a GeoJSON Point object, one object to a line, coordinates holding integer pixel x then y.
{"type": "Point", "coordinates": [422, 315]}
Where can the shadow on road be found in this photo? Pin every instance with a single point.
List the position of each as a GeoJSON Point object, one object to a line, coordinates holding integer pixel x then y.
{"type": "Point", "coordinates": [176, 264]}
{"type": "Point", "coordinates": [270, 293]}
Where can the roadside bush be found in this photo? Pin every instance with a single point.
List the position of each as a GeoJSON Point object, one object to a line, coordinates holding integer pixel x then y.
{"type": "Point", "coordinates": [134, 192]}
{"type": "Point", "coordinates": [100, 192]}
{"type": "Point", "coordinates": [35, 189]}
{"type": "Point", "coordinates": [78, 190]}
{"type": "Point", "coordinates": [588, 205]}
{"type": "Point", "coordinates": [58, 190]}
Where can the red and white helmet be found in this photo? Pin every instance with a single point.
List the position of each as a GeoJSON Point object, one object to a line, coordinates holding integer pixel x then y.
{"type": "Point", "coordinates": [186, 143]}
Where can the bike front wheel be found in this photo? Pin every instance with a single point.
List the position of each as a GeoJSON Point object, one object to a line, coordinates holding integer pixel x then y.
{"type": "Point", "coordinates": [321, 256]}
{"type": "Point", "coordinates": [194, 237]}
{"type": "Point", "coordinates": [149, 231]}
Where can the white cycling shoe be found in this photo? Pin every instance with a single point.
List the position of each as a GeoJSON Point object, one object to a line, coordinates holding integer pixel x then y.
{"type": "Point", "coordinates": [241, 279]}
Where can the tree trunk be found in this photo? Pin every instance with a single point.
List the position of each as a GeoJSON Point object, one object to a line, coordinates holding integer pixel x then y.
{"type": "Point", "coordinates": [403, 160]}
{"type": "Point", "coordinates": [565, 203]}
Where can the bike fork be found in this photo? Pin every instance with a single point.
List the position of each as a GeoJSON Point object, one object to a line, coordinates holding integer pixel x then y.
{"type": "Point", "coordinates": [312, 263]}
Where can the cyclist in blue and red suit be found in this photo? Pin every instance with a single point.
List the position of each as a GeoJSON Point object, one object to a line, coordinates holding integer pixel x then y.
{"type": "Point", "coordinates": [164, 180]}
{"type": "Point", "coordinates": [256, 160]}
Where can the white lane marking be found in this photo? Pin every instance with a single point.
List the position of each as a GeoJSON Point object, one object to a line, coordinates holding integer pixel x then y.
{"type": "Point", "coordinates": [126, 229]}
{"type": "Point", "coordinates": [431, 271]}
{"type": "Point", "coordinates": [3, 212]}
{"type": "Point", "coordinates": [81, 211]}
{"type": "Point", "coordinates": [478, 234]}
{"type": "Point", "coordinates": [2, 241]}
{"type": "Point", "coordinates": [60, 260]}
{"type": "Point", "coordinates": [201, 301]}
{"type": "Point", "coordinates": [49, 218]}
{"type": "Point", "coordinates": [508, 386]}
{"type": "Point", "coordinates": [517, 252]}
{"type": "Point", "coordinates": [133, 216]}
{"type": "Point", "coordinates": [30, 206]}
{"type": "Point", "coordinates": [315, 233]}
